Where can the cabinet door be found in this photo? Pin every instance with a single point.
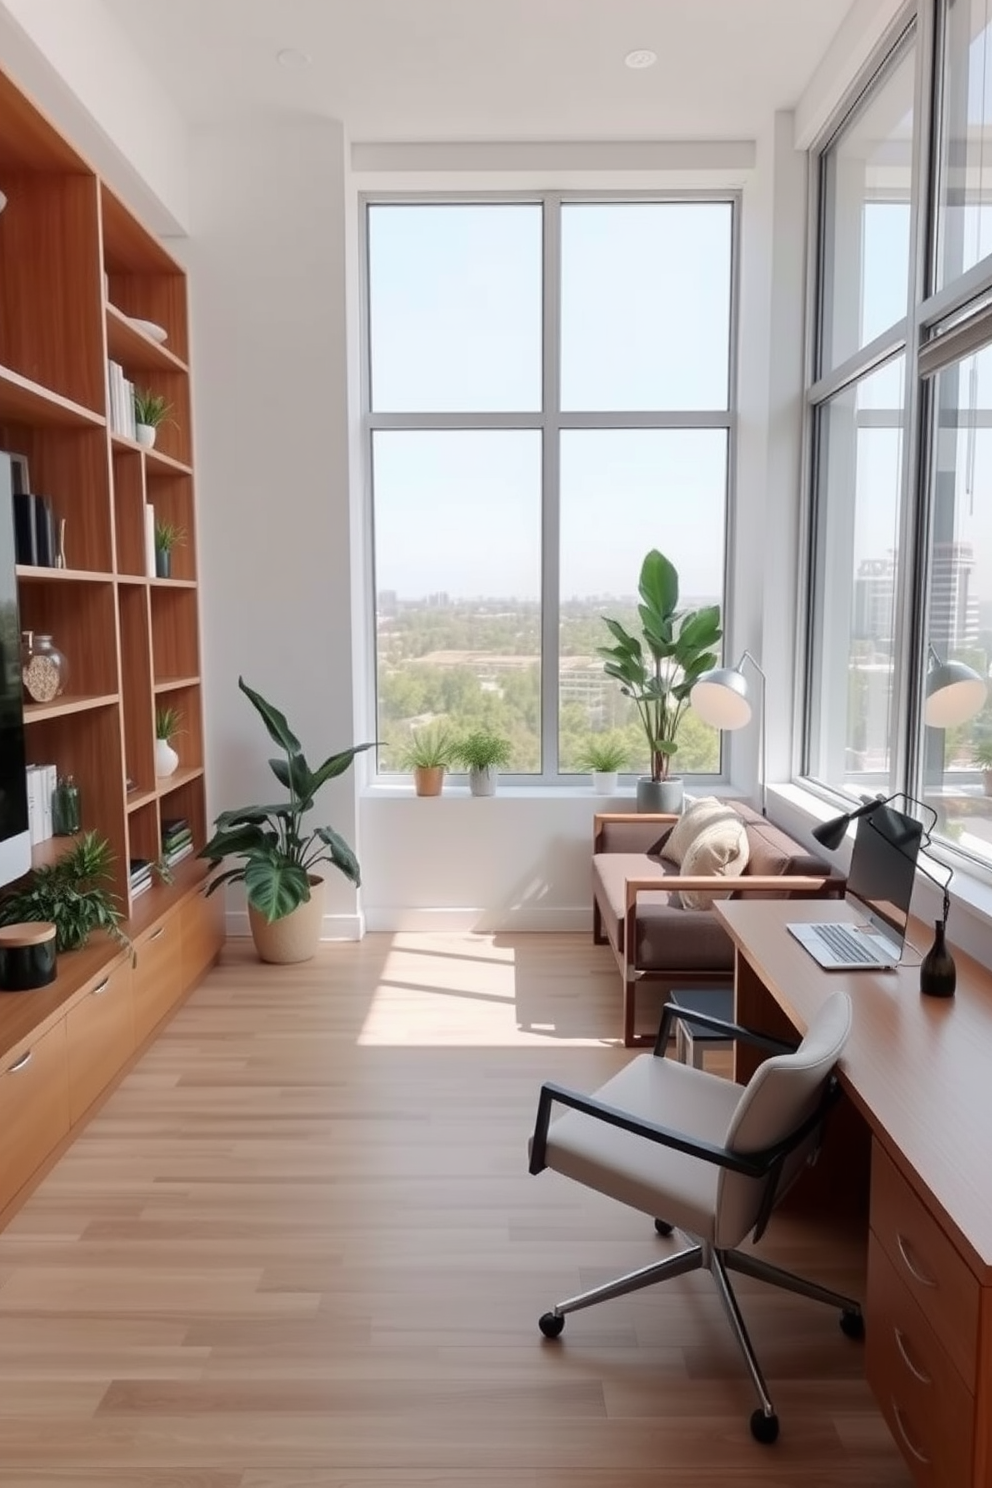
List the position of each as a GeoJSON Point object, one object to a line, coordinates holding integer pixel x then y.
{"type": "Point", "coordinates": [100, 1037]}
{"type": "Point", "coordinates": [156, 981]}
{"type": "Point", "coordinates": [203, 934]}
{"type": "Point", "coordinates": [34, 1108]}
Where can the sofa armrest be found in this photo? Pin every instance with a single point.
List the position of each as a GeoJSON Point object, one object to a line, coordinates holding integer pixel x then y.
{"type": "Point", "coordinates": [632, 831]}
{"type": "Point", "coordinates": [699, 883]}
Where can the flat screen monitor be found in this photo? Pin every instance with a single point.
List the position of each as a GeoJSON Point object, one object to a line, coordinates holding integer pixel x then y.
{"type": "Point", "coordinates": [15, 841]}
{"type": "Point", "coordinates": [883, 867]}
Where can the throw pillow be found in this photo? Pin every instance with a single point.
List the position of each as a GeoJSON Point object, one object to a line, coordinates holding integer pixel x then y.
{"type": "Point", "coordinates": [720, 850]}
{"type": "Point", "coordinates": [689, 825]}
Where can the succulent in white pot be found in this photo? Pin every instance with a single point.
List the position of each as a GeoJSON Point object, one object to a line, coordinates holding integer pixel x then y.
{"type": "Point", "coordinates": [604, 756]}
{"type": "Point", "coordinates": [150, 410]}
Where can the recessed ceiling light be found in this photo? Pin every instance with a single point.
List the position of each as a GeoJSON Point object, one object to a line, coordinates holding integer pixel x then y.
{"type": "Point", "coordinates": [291, 57]}
{"type": "Point", "coordinates": [641, 58]}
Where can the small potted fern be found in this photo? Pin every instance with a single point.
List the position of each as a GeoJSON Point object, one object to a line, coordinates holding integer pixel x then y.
{"type": "Point", "coordinates": [483, 753]}
{"type": "Point", "coordinates": [428, 753]}
{"type": "Point", "coordinates": [604, 756]}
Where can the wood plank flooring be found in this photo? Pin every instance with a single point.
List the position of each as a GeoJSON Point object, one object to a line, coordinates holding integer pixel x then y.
{"type": "Point", "coordinates": [299, 1248]}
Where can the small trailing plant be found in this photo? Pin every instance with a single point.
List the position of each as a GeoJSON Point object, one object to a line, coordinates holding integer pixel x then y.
{"type": "Point", "coordinates": [72, 895]}
{"type": "Point", "coordinates": [150, 408]}
{"type": "Point", "coordinates": [169, 535]}
{"type": "Point", "coordinates": [604, 754]}
{"type": "Point", "coordinates": [431, 747]}
{"type": "Point", "coordinates": [483, 749]}
{"type": "Point", "coordinates": [168, 723]}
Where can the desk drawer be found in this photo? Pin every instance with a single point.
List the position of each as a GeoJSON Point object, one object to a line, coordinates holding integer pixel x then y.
{"type": "Point", "coordinates": [923, 1398]}
{"type": "Point", "coordinates": [938, 1278]}
{"type": "Point", "coordinates": [34, 1107]}
{"type": "Point", "coordinates": [100, 1034]}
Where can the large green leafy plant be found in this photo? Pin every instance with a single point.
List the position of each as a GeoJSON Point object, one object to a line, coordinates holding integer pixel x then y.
{"type": "Point", "coordinates": [657, 670]}
{"type": "Point", "coordinates": [277, 854]}
{"type": "Point", "coordinates": [70, 894]}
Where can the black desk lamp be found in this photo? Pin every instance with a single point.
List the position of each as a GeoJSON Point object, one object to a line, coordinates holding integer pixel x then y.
{"type": "Point", "coordinates": [938, 974]}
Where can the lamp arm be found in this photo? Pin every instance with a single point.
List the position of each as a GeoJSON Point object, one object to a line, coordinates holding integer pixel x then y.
{"type": "Point", "coordinates": [762, 745]}
{"type": "Point", "coordinates": [942, 884]}
{"type": "Point", "coordinates": [913, 801]}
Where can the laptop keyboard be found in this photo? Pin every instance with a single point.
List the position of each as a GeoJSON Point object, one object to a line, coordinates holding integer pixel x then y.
{"type": "Point", "coordinates": [845, 946]}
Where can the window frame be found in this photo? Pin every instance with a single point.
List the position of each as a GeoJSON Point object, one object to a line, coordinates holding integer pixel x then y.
{"type": "Point", "coordinates": [550, 421]}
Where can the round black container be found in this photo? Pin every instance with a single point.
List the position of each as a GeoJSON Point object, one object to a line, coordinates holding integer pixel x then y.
{"type": "Point", "coordinates": [27, 956]}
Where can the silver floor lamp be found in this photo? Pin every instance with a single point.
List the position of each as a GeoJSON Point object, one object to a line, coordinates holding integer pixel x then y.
{"type": "Point", "coordinates": [722, 697]}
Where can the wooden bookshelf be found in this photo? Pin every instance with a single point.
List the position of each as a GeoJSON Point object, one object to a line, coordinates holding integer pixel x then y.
{"type": "Point", "coordinates": [77, 271]}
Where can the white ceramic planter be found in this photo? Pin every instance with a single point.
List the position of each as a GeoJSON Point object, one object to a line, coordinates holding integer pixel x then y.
{"type": "Point", "coordinates": [604, 782]}
{"type": "Point", "coordinates": [145, 435]}
{"type": "Point", "coordinates": [166, 759]}
{"type": "Point", "coordinates": [483, 782]}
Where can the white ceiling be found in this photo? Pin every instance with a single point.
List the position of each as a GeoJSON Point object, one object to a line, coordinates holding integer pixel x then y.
{"type": "Point", "coordinates": [488, 69]}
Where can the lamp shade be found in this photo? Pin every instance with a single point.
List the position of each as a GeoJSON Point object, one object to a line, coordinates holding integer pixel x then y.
{"type": "Point", "coordinates": [720, 698]}
{"type": "Point", "coordinates": [954, 693]}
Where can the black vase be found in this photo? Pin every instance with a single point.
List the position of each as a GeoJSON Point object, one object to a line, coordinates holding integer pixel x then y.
{"type": "Point", "coordinates": [938, 975]}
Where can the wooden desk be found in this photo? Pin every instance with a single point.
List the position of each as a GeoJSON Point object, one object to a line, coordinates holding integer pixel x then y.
{"type": "Point", "coordinates": [919, 1072]}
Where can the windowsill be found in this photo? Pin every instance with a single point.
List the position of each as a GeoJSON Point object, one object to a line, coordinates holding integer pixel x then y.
{"type": "Point", "coordinates": [541, 790]}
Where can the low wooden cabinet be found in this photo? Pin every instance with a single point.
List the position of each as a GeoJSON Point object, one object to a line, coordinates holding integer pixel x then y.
{"type": "Point", "coordinates": [64, 1046]}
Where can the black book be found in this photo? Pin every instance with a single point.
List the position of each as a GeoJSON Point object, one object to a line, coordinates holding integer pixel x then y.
{"type": "Point", "coordinates": [174, 824]}
{"type": "Point", "coordinates": [44, 531]}
{"type": "Point", "coordinates": [25, 544]}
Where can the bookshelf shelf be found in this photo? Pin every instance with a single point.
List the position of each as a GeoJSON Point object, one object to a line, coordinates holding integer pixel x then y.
{"type": "Point", "coordinates": [66, 704]}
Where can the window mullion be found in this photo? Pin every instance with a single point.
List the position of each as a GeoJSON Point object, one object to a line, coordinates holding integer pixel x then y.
{"type": "Point", "coordinates": [551, 487]}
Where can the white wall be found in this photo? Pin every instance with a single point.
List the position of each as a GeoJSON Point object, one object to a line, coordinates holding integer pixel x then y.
{"type": "Point", "coordinates": [266, 257]}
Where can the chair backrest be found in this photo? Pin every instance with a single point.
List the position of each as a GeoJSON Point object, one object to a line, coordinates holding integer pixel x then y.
{"type": "Point", "coordinates": [780, 1095]}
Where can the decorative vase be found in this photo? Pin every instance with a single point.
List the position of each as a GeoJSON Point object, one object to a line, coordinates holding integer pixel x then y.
{"type": "Point", "coordinates": [295, 936]}
{"type": "Point", "coordinates": [938, 974]}
{"type": "Point", "coordinates": [44, 669]}
{"type": "Point", "coordinates": [145, 435]}
{"type": "Point", "coordinates": [428, 780]}
{"type": "Point", "coordinates": [166, 759]}
{"type": "Point", "coordinates": [483, 782]}
{"type": "Point", "coordinates": [604, 782]}
{"type": "Point", "coordinates": [163, 563]}
{"type": "Point", "coordinates": [666, 796]}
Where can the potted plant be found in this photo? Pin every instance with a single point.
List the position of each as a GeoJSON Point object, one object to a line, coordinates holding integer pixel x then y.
{"type": "Point", "coordinates": [604, 755]}
{"type": "Point", "coordinates": [278, 855]}
{"type": "Point", "coordinates": [168, 535]}
{"type": "Point", "coordinates": [657, 671]}
{"type": "Point", "coordinates": [70, 894]}
{"type": "Point", "coordinates": [982, 755]}
{"type": "Point", "coordinates": [168, 722]}
{"type": "Point", "coordinates": [429, 752]}
{"type": "Point", "coordinates": [483, 753]}
{"type": "Point", "coordinates": [150, 410]}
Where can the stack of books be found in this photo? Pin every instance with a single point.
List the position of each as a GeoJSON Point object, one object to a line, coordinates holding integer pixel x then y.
{"type": "Point", "coordinates": [140, 875]}
{"type": "Point", "coordinates": [177, 839]}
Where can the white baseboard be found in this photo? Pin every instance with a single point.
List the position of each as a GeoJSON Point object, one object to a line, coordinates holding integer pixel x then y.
{"type": "Point", "coordinates": [400, 917]}
{"type": "Point", "coordinates": [333, 926]}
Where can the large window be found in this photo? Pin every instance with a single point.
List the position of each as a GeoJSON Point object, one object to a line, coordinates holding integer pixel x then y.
{"type": "Point", "coordinates": [549, 396]}
{"type": "Point", "coordinates": [901, 434]}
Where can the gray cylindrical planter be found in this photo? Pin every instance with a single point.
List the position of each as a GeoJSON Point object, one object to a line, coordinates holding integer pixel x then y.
{"type": "Point", "coordinates": [483, 782]}
{"type": "Point", "coordinates": [660, 795]}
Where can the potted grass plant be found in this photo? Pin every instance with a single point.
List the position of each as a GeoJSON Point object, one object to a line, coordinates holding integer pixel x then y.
{"type": "Point", "coordinates": [168, 723]}
{"type": "Point", "coordinates": [483, 753]}
{"type": "Point", "coordinates": [72, 894]}
{"type": "Point", "coordinates": [278, 852]}
{"type": "Point", "coordinates": [428, 753]}
{"type": "Point", "coordinates": [168, 535]}
{"type": "Point", "coordinates": [604, 756]}
{"type": "Point", "coordinates": [150, 410]}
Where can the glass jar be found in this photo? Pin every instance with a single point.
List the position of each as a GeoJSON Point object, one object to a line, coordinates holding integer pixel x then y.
{"type": "Point", "coordinates": [44, 669]}
{"type": "Point", "coordinates": [66, 818]}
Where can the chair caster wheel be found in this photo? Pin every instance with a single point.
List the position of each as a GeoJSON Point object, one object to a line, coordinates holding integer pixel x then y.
{"type": "Point", "coordinates": [663, 1227]}
{"type": "Point", "coordinates": [764, 1428]}
{"type": "Point", "coordinates": [551, 1325]}
{"type": "Point", "coordinates": [852, 1324]}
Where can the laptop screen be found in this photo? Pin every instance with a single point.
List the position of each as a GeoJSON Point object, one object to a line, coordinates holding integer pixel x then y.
{"type": "Point", "coordinates": [883, 866]}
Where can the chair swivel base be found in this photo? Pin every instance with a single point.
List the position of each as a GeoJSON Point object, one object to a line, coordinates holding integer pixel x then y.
{"type": "Point", "coordinates": [701, 1255]}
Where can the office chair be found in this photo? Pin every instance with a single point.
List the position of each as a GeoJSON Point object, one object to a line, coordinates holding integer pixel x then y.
{"type": "Point", "coordinates": [705, 1156]}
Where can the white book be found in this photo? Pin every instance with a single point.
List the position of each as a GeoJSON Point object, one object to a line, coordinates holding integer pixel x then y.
{"type": "Point", "coordinates": [34, 814]}
{"type": "Point", "coordinates": [50, 779]}
{"type": "Point", "coordinates": [149, 540]}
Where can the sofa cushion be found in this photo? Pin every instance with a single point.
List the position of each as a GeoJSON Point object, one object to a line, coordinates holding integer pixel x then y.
{"type": "Point", "coordinates": [720, 850]}
{"type": "Point", "coordinates": [610, 872]}
{"type": "Point", "coordinates": [694, 820]}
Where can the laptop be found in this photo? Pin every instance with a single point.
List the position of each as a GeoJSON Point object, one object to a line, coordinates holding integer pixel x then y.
{"type": "Point", "coordinates": [880, 887]}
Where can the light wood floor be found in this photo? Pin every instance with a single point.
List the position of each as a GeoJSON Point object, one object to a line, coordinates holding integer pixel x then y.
{"type": "Point", "coordinates": [299, 1248]}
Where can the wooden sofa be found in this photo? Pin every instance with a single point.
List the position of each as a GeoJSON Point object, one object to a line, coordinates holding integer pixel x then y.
{"type": "Point", "coordinates": [652, 936]}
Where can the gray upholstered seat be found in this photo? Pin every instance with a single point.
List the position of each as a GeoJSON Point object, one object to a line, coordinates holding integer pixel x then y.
{"type": "Point", "coordinates": [701, 1155]}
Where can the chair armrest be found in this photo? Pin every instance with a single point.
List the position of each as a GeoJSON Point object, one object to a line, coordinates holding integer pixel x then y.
{"type": "Point", "coordinates": [758, 883]}
{"type": "Point", "coordinates": [602, 818]}
{"type": "Point", "coordinates": [671, 1011]}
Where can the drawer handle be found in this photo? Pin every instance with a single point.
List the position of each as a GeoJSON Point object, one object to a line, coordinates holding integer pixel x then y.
{"type": "Point", "coordinates": [914, 1271]}
{"type": "Point", "coordinates": [24, 1059]}
{"type": "Point", "coordinates": [99, 991]}
{"type": "Point", "coordinates": [919, 1374]}
{"type": "Point", "coordinates": [156, 933]}
{"type": "Point", "coordinates": [920, 1456]}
